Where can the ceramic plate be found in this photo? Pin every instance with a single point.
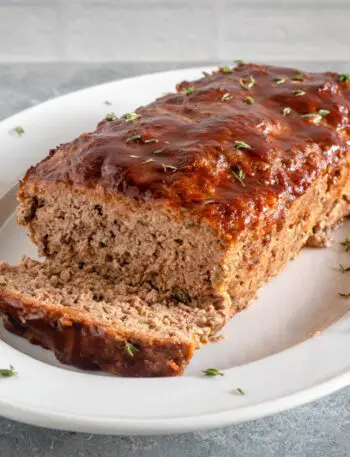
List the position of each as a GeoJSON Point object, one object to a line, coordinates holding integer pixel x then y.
{"type": "Point", "coordinates": [268, 350]}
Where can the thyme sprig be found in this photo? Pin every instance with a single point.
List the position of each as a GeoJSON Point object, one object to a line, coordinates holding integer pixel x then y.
{"type": "Point", "coordinates": [239, 174]}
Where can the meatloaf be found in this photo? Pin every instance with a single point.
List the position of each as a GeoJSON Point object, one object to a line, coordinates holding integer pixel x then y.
{"type": "Point", "coordinates": [204, 194]}
{"type": "Point", "coordinates": [93, 323]}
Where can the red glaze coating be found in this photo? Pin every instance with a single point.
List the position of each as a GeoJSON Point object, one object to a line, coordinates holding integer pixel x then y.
{"type": "Point", "coordinates": [185, 152]}
{"type": "Point", "coordinates": [84, 345]}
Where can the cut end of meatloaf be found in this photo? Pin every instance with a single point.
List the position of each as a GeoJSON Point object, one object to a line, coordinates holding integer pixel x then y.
{"type": "Point", "coordinates": [95, 323]}
{"type": "Point", "coordinates": [136, 242]}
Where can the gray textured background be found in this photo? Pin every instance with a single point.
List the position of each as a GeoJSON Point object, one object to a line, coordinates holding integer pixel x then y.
{"type": "Point", "coordinates": [321, 429]}
{"type": "Point", "coordinates": [173, 30]}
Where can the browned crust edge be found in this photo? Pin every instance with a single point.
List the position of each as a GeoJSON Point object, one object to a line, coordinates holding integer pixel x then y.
{"type": "Point", "coordinates": [82, 344]}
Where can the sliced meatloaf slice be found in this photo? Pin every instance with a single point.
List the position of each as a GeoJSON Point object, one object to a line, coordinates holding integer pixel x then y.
{"type": "Point", "coordinates": [206, 192]}
{"type": "Point", "coordinates": [94, 323]}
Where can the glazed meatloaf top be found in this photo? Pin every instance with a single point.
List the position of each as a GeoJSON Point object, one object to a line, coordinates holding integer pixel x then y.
{"type": "Point", "coordinates": [232, 148]}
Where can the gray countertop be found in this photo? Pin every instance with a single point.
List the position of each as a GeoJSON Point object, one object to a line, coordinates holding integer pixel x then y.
{"type": "Point", "coordinates": [321, 429]}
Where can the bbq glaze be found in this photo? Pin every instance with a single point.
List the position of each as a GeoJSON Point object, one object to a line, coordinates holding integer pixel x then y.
{"type": "Point", "coordinates": [88, 346]}
{"type": "Point", "coordinates": [209, 150]}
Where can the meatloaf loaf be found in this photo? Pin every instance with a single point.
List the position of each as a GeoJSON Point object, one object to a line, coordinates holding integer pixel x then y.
{"type": "Point", "coordinates": [95, 323]}
{"type": "Point", "coordinates": [204, 194]}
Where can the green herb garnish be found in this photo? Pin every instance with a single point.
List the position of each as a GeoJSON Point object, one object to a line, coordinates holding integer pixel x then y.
{"type": "Point", "coordinates": [110, 117]}
{"type": "Point", "coordinates": [241, 145]}
{"type": "Point", "coordinates": [107, 102]}
{"type": "Point", "coordinates": [344, 77]}
{"type": "Point", "coordinates": [344, 295]}
{"type": "Point", "coordinates": [189, 90]}
{"type": "Point", "coordinates": [344, 269]}
{"type": "Point", "coordinates": [247, 84]}
{"type": "Point", "coordinates": [208, 202]}
{"type": "Point", "coordinates": [133, 138]}
{"type": "Point", "coordinates": [250, 100]}
{"type": "Point", "coordinates": [8, 372]}
{"type": "Point", "coordinates": [346, 244]}
{"type": "Point", "coordinates": [169, 167]}
{"type": "Point", "coordinates": [299, 92]}
{"type": "Point", "coordinates": [298, 77]}
{"type": "Point", "coordinates": [239, 391]}
{"type": "Point", "coordinates": [19, 131]}
{"type": "Point", "coordinates": [309, 115]}
{"type": "Point", "coordinates": [225, 69]}
{"type": "Point", "coordinates": [131, 116]}
{"type": "Point", "coordinates": [212, 372]}
{"type": "Point", "coordinates": [239, 62]}
{"type": "Point", "coordinates": [130, 349]}
{"type": "Point", "coordinates": [279, 80]}
{"type": "Point", "coordinates": [239, 174]}
{"type": "Point", "coordinates": [287, 110]}
{"type": "Point", "coordinates": [323, 112]}
{"type": "Point", "coordinates": [319, 113]}
{"type": "Point", "coordinates": [226, 97]}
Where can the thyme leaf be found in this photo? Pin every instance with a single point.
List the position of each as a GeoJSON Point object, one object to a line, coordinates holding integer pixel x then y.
{"type": "Point", "coordinates": [279, 81]}
{"type": "Point", "coordinates": [241, 145]}
{"type": "Point", "coordinates": [226, 97]}
{"type": "Point", "coordinates": [298, 77]}
{"type": "Point", "coordinates": [346, 244]}
{"type": "Point", "coordinates": [110, 117]}
{"type": "Point", "coordinates": [133, 138]}
{"type": "Point", "coordinates": [131, 116]}
{"type": "Point", "coordinates": [225, 69]}
{"type": "Point", "coordinates": [239, 391]}
{"type": "Point", "coordinates": [323, 112]}
{"type": "Point", "coordinates": [19, 131]}
{"type": "Point", "coordinates": [169, 167]}
{"type": "Point", "coordinates": [287, 110]}
{"type": "Point", "coordinates": [247, 84]}
{"type": "Point", "coordinates": [239, 62]}
{"type": "Point", "coordinates": [320, 113]}
{"type": "Point", "coordinates": [239, 174]}
{"type": "Point", "coordinates": [8, 372]}
{"type": "Point", "coordinates": [189, 90]}
{"type": "Point", "coordinates": [212, 372]}
{"type": "Point", "coordinates": [130, 349]}
{"type": "Point", "coordinates": [344, 77]}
